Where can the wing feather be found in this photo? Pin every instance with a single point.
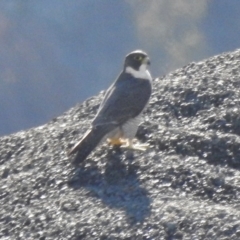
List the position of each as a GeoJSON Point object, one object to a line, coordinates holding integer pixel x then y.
{"type": "Point", "coordinates": [124, 100]}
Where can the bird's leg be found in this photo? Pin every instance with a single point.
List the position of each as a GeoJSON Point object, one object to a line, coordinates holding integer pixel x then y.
{"type": "Point", "coordinates": [116, 141]}
{"type": "Point", "coordinates": [129, 143]}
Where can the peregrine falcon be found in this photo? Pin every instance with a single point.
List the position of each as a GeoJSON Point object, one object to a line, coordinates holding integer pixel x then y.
{"type": "Point", "coordinates": [119, 113]}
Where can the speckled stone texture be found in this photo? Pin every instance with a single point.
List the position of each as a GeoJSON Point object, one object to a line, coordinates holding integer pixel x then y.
{"type": "Point", "coordinates": [185, 186]}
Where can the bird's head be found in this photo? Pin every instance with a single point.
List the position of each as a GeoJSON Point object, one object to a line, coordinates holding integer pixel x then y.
{"type": "Point", "coordinates": [136, 59]}
{"type": "Point", "coordinates": [136, 63]}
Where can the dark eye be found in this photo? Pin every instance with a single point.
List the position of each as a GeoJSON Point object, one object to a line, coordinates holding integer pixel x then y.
{"type": "Point", "coordinates": [138, 58]}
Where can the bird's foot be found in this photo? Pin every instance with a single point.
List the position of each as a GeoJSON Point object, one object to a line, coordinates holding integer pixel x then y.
{"type": "Point", "coordinates": [127, 143]}
{"type": "Point", "coordinates": [116, 141]}
{"type": "Point", "coordinates": [131, 144]}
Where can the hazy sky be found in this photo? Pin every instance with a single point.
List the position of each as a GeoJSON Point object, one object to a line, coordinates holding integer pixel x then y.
{"type": "Point", "coordinates": [55, 54]}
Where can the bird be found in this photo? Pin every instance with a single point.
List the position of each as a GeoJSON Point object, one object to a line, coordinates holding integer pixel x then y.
{"type": "Point", "coordinates": [120, 111]}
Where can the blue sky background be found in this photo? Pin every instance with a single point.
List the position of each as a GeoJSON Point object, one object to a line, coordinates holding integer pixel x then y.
{"type": "Point", "coordinates": [56, 53]}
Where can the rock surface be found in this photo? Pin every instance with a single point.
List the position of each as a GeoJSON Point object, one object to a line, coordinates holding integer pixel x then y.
{"type": "Point", "coordinates": [185, 186]}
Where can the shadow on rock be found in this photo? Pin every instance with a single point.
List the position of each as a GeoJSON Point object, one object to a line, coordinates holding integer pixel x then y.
{"type": "Point", "coordinates": [117, 186]}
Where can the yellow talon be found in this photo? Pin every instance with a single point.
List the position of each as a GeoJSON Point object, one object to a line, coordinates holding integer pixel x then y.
{"type": "Point", "coordinates": [127, 143]}
{"type": "Point", "coordinates": [135, 146]}
{"type": "Point", "coordinates": [116, 141]}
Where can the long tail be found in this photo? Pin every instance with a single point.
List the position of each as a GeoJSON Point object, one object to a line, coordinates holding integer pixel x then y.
{"type": "Point", "coordinates": [86, 145]}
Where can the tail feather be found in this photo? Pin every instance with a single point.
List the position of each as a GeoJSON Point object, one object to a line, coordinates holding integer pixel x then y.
{"type": "Point", "coordinates": [86, 145]}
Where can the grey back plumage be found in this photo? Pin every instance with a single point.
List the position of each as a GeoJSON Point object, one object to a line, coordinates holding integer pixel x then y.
{"type": "Point", "coordinates": [124, 100]}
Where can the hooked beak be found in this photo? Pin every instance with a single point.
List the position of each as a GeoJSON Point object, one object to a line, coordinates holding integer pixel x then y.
{"type": "Point", "coordinates": [146, 61]}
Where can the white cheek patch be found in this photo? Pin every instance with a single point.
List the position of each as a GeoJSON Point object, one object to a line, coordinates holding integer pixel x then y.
{"type": "Point", "coordinates": [142, 73]}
